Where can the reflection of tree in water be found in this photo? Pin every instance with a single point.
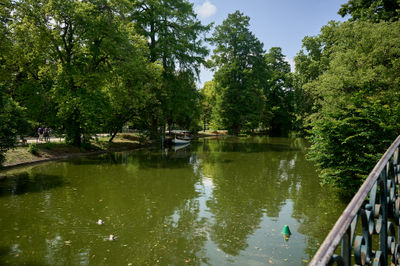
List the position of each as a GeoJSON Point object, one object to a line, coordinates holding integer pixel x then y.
{"type": "Point", "coordinates": [149, 201]}
{"type": "Point", "coordinates": [316, 208]}
{"type": "Point", "coordinates": [146, 158]}
{"type": "Point", "coordinates": [246, 186]}
{"type": "Point", "coordinates": [152, 210]}
{"type": "Point", "coordinates": [164, 223]}
{"type": "Point", "coordinates": [26, 182]}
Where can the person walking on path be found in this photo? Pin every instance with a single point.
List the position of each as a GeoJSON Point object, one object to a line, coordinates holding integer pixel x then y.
{"type": "Point", "coordinates": [40, 133]}
{"type": "Point", "coordinates": [46, 134]}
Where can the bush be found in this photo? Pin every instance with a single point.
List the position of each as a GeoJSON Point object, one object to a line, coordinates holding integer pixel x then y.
{"type": "Point", "coordinates": [12, 123]}
{"type": "Point", "coordinates": [33, 148]}
{"type": "Point", "coordinates": [358, 112]}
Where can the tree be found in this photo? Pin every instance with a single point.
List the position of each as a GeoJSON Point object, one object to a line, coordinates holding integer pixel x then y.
{"type": "Point", "coordinates": [208, 98]}
{"type": "Point", "coordinates": [32, 70]}
{"type": "Point", "coordinates": [183, 103]}
{"type": "Point", "coordinates": [357, 109]}
{"type": "Point", "coordinates": [371, 10]}
{"type": "Point", "coordinates": [310, 63]}
{"type": "Point", "coordinates": [173, 33]}
{"type": "Point", "coordinates": [130, 82]}
{"type": "Point", "coordinates": [278, 93]}
{"type": "Point", "coordinates": [78, 46]}
{"type": "Point", "coordinates": [12, 121]}
{"type": "Point", "coordinates": [240, 73]}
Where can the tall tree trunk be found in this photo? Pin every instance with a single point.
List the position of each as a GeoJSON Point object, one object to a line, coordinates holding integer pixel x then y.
{"type": "Point", "coordinates": [73, 129]}
{"type": "Point", "coordinates": [236, 130]}
{"type": "Point", "coordinates": [154, 127]}
{"type": "Point", "coordinates": [114, 134]}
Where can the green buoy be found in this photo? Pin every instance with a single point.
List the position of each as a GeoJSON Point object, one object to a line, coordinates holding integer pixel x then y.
{"type": "Point", "coordinates": [286, 230]}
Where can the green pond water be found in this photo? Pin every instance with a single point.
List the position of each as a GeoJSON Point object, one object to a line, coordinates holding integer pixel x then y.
{"type": "Point", "coordinates": [218, 202]}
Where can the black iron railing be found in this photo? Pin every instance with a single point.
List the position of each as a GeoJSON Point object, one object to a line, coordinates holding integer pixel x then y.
{"type": "Point", "coordinates": [368, 229]}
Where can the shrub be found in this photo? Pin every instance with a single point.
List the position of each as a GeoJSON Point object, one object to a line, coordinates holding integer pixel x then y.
{"type": "Point", "coordinates": [33, 148]}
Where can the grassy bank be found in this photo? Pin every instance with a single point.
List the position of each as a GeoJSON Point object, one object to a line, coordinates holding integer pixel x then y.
{"type": "Point", "coordinates": [37, 152]}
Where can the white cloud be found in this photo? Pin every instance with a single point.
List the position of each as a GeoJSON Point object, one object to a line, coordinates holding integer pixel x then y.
{"type": "Point", "coordinates": [206, 10]}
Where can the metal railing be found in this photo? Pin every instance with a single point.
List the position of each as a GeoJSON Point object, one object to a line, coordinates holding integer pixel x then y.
{"type": "Point", "coordinates": [377, 206]}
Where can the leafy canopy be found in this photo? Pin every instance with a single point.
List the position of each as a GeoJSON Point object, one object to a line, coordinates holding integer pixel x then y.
{"type": "Point", "coordinates": [357, 108]}
{"type": "Point", "coordinates": [240, 73]}
{"type": "Point", "coordinates": [371, 10]}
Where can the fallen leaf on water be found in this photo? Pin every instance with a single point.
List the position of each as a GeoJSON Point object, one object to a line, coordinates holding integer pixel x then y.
{"type": "Point", "coordinates": [100, 200]}
{"type": "Point", "coordinates": [41, 210]}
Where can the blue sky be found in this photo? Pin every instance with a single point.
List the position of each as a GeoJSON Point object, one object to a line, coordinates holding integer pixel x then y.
{"type": "Point", "coordinates": [279, 23]}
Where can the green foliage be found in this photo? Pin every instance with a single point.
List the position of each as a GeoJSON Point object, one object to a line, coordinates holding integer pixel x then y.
{"type": "Point", "coordinates": [183, 100]}
{"type": "Point", "coordinates": [208, 100]}
{"type": "Point", "coordinates": [70, 42]}
{"type": "Point", "coordinates": [132, 78]}
{"type": "Point", "coordinates": [278, 114]}
{"type": "Point", "coordinates": [371, 10]}
{"type": "Point", "coordinates": [174, 38]}
{"type": "Point", "coordinates": [357, 109]}
{"type": "Point", "coordinates": [240, 74]}
{"type": "Point", "coordinates": [310, 64]}
{"type": "Point", "coordinates": [33, 148]}
{"type": "Point", "coordinates": [84, 67]}
{"type": "Point", "coordinates": [12, 123]}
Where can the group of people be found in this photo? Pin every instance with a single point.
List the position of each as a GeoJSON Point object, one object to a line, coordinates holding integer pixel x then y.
{"type": "Point", "coordinates": [44, 133]}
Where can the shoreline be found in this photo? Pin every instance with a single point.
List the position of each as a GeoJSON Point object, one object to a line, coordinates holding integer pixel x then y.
{"type": "Point", "coordinates": [21, 157]}
{"type": "Point", "coordinates": [43, 160]}
{"type": "Point", "coordinates": [68, 156]}
{"type": "Point", "coordinates": [46, 155]}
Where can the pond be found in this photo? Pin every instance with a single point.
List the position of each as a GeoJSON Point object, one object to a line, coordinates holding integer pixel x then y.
{"type": "Point", "coordinates": [221, 201]}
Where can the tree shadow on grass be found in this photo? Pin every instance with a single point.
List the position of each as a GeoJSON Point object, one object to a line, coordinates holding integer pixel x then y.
{"type": "Point", "coordinates": [25, 182]}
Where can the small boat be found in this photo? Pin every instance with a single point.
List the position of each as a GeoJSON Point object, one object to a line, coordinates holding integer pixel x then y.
{"type": "Point", "coordinates": [180, 141]}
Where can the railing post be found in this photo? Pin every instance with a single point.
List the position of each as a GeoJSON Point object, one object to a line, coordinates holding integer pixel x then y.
{"type": "Point", "coordinates": [383, 236]}
{"type": "Point", "coordinates": [346, 247]}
